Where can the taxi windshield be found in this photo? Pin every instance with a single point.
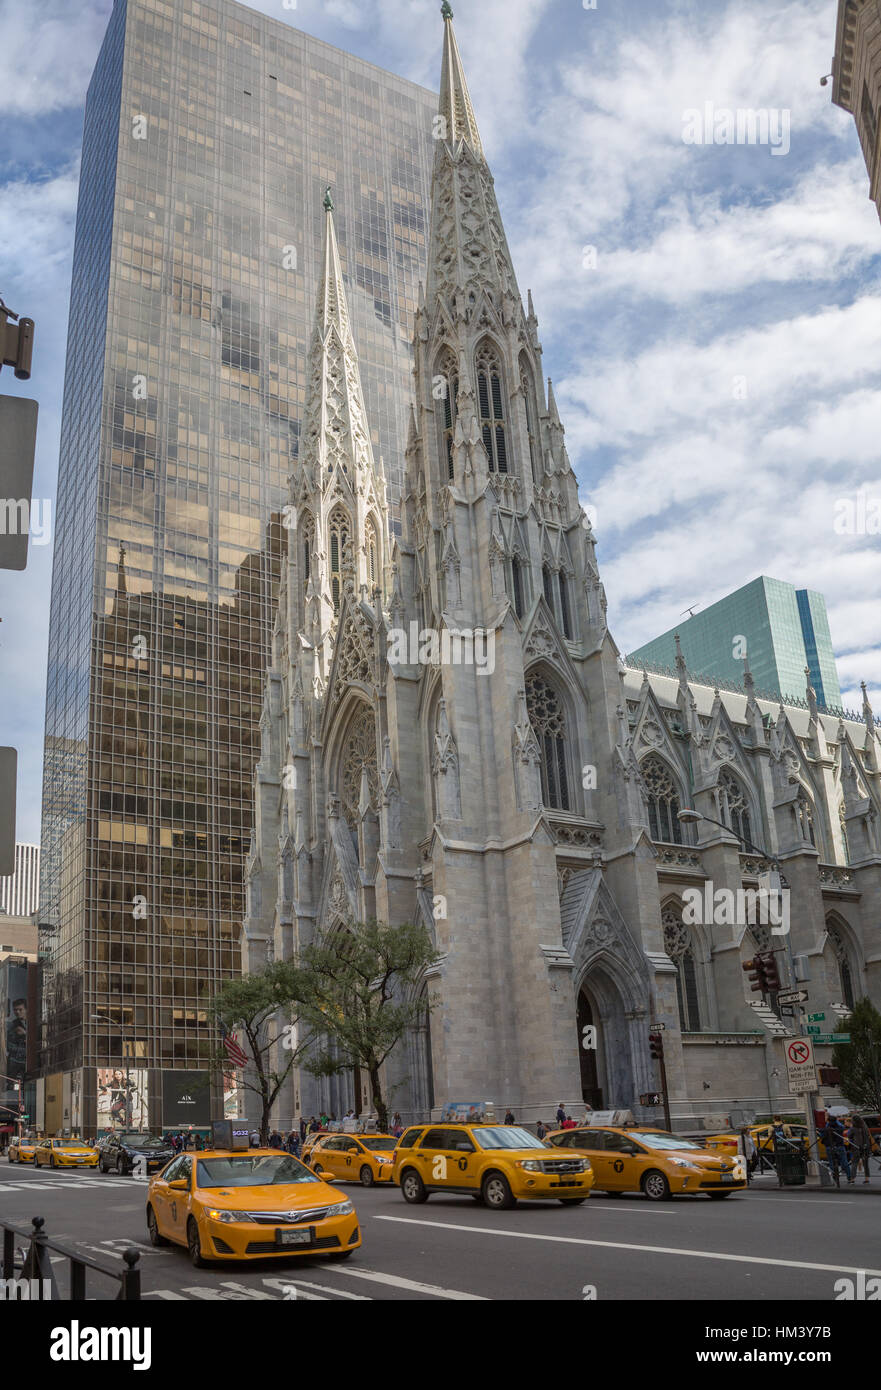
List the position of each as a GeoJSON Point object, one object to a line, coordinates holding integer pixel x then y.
{"type": "Point", "coordinates": [506, 1137]}
{"type": "Point", "coordinates": [252, 1172]}
{"type": "Point", "coordinates": [663, 1141]}
{"type": "Point", "coordinates": [69, 1144]}
{"type": "Point", "coordinates": [384, 1144]}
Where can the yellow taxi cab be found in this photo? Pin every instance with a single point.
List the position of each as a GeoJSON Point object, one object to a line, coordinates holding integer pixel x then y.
{"type": "Point", "coordinates": [65, 1153]}
{"type": "Point", "coordinates": [257, 1204]}
{"type": "Point", "coordinates": [652, 1161]}
{"type": "Point", "coordinates": [796, 1135]}
{"type": "Point", "coordinates": [21, 1150]}
{"type": "Point", "coordinates": [364, 1158]}
{"type": "Point", "coordinates": [496, 1164]}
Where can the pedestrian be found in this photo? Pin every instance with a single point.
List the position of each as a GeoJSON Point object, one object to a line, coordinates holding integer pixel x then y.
{"type": "Point", "coordinates": [588, 1111]}
{"type": "Point", "coordinates": [509, 1117]}
{"type": "Point", "coordinates": [294, 1143]}
{"type": "Point", "coordinates": [568, 1122]}
{"type": "Point", "coordinates": [314, 1125]}
{"type": "Point", "coordinates": [750, 1153]}
{"type": "Point", "coordinates": [836, 1152]}
{"type": "Point", "coordinates": [304, 1129]}
{"type": "Point", "coordinates": [860, 1145]}
{"type": "Point", "coordinates": [397, 1123]}
{"type": "Point", "coordinates": [561, 1116]}
{"type": "Point", "coordinates": [254, 1139]}
{"type": "Point", "coordinates": [540, 1130]}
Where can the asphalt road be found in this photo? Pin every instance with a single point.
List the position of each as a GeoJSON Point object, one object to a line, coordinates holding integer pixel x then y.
{"type": "Point", "coordinates": [764, 1244]}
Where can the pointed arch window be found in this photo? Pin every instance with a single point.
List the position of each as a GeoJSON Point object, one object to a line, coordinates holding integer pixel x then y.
{"type": "Point", "coordinates": [491, 403]}
{"type": "Point", "coordinates": [339, 539]}
{"type": "Point", "coordinates": [565, 616]}
{"type": "Point", "coordinates": [545, 710]}
{"type": "Point", "coordinates": [734, 805]}
{"type": "Point", "coordinates": [845, 976]}
{"type": "Point", "coordinates": [517, 586]}
{"type": "Point", "coordinates": [308, 534]}
{"type": "Point", "coordinates": [547, 580]}
{"type": "Point", "coordinates": [842, 820]}
{"type": "Point", "coordinates": [663, 802]}
{"type": "Point", "coordinates": [371, 550]}
{"type": "Point", "coordinates": [447, 381]}
{"type": "Point", "coordinates": [526, 387]}
{"type": "Point", "coordinates": [680, 948]}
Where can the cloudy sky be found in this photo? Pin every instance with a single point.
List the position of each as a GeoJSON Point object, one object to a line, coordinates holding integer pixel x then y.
{"type": "Point", "coordinates": [710, 314]}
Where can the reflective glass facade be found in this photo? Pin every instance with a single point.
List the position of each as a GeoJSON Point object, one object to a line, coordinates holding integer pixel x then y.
{"type": "Point", "coordinates": [785, 630]}
{"type": "Point", "coordinates": [210, 135]}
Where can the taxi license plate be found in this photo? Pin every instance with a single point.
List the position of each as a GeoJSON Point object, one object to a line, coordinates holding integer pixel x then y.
{"type": "Point", "coordinates": [566, 1182]}
{"type": "Point", "coordinates": [728, 1177]}
{"type": "Point", "coordinates": [294, 1237]}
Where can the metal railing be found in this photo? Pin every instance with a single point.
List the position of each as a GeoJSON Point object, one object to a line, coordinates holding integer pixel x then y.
{"type": "Point", "coordinates": [35, 1265]}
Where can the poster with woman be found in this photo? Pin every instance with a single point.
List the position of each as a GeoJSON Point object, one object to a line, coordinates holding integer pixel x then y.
{"type": "Point", "coordinates": [122, 1098]}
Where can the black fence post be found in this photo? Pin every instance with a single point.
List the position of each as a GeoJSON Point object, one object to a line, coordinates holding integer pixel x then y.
{"type": "Point", "coordinates": [8, 1253]}
{"type": "Point", "coordinates": [130, 1279]}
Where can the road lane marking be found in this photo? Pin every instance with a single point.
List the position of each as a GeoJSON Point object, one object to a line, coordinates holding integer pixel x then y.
{"type": "Point", "coordinates": [622, 1245]}
{"type": "Point", "coordinates": [397, 1282]}
{"type": "Point", "coordinates": [322, 1288]}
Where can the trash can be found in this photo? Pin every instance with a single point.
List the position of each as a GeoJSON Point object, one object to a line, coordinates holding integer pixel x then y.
{"type": "Point", "coordinates": [791, 1169]}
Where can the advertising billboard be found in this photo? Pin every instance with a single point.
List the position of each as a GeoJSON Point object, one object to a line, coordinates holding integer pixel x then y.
{"type": "Point", "coordinates": [122, 1098]}
{"type": "Point", "coordinates": [186, 1098]}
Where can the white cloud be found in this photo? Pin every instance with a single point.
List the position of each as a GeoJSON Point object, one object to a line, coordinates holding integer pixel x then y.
{"type": "Point", "coordinates": [48, 53]}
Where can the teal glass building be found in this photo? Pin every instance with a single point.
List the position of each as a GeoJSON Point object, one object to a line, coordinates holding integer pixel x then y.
{"type": "Point", "coordinates": [779, 628]}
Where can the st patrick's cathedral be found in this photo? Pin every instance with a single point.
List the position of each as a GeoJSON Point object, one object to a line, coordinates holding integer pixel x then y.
{"type": "Point", "coordinates": [526, 809]}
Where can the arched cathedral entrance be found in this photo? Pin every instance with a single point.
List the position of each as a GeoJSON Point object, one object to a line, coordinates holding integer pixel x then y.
{"type": "Point", "coordinates": [607, 1071]}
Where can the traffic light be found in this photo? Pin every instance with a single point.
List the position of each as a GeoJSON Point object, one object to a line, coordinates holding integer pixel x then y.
{"type": "Point", "coordinates": [656, 1047]}
{"type": "Point", "coordinates": [757, 975]}
{"type": "Point", "coordinates": [828, 1076]}
{"type": "Point", "coordinates": [16, 342]}
{"type": "Point", "coordinates": [769, 972]}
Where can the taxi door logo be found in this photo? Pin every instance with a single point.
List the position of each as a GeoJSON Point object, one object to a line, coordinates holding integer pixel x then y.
{"type": "Point", "coordinates": [463, 1164]}
{"type": "Point", "coordinates": [439, 1167]}
{"type": "Point", "coordinates": [618, 1165]}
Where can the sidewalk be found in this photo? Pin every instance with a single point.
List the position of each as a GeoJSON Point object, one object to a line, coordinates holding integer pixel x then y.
{"type": "Point", "coordinates": [767, 1182]}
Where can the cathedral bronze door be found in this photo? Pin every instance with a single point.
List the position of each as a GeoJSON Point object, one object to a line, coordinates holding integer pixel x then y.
{"type": "Point", "coordinates": [591, 1091]}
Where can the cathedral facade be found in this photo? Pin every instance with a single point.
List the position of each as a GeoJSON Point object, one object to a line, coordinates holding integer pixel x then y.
{"type": "Point", "coordinates": [511, 783]}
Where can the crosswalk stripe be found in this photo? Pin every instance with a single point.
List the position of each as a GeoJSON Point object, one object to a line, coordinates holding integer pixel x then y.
{"type": "Point", "coordinates": [399, 1283]}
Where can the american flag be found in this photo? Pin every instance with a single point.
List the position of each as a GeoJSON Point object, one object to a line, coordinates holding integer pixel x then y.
{"type": "Point", "coordinates": [233, 1048]}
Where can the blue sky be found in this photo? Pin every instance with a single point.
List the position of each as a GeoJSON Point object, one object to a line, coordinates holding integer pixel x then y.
{"type": "Point", "coordinates": [716, 358]}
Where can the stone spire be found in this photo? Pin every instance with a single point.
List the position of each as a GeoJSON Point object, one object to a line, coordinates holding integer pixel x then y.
{"type": "Point", "coordinates": [468, 251]}
{"type": "Point", "coordinates": [336, 437]}
{"type": "Point", "coordinates": [455, 102]}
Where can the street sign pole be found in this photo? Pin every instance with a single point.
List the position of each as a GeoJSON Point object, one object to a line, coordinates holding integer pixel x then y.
{"type": "Point", "coordinates": [812, 1097]}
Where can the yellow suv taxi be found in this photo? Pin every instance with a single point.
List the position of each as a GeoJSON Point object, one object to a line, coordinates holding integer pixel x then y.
{"type": "Point", "coordinates": [651, 1161]}
{"type": "Point", "coordinates": [497, 1164]}
{"type": "Point", "coordinates": [65, 1153]}
{"type": "Point", "coordinates": [22, 1150]}
{"type": "Point", "coordinates": [364, 1158]}
{"type": "Point", "coordinates": [258, 1204]}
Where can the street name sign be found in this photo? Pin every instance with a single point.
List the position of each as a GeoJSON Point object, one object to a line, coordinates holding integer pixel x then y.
{"type": "Point", "coordinates": [792, 996]}
{"type": "Point", "coordinates": [801, 1074]}
{"type": "Point", "coordinates": [830, 1039]}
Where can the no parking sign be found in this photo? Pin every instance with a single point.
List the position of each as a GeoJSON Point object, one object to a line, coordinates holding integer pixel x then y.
{"type": "Point", "coordinates": [800, 1070]}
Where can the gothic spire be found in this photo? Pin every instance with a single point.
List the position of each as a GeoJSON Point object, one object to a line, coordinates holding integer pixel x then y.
{"type": "Point", "coordinates": [336, 434]}
{"type": "Point", "coordinates": [468, 252]}
{"type": "Point", "coordinates": [455, 102]}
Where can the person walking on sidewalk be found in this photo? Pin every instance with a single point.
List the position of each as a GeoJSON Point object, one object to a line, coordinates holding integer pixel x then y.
{"type": "Point", "coordinates": [833, 1137]}
{"type": "Point", "coordinates": [860, 1146]}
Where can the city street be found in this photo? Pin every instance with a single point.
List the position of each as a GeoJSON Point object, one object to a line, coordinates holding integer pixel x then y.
{"type": "Point", "coordinates": [765, 1244]}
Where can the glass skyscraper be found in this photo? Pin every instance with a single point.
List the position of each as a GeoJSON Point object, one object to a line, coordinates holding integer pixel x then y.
{"type": "Point", "coordinates": [210, 135]}
{"type": "Point", "coordinates": [782, 630]}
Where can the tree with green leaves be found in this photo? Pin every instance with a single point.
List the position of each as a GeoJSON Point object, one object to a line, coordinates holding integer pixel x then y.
{"type": "Point", "coordinates": [859, 1061]}
{"type": "Point", "coordinates": [256, 1004]}
{"type": "Point", "coordinates": [357, 993]}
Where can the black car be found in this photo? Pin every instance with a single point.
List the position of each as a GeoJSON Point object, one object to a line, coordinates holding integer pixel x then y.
{"type": "Point", "coordinates": [131, 1152]}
